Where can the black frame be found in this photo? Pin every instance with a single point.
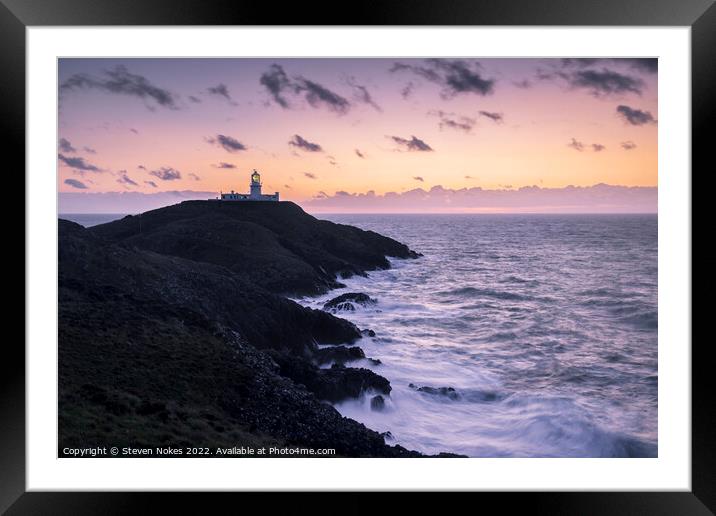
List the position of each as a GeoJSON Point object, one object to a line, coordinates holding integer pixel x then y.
{"type": "Point", "coordinates": [700, 15]}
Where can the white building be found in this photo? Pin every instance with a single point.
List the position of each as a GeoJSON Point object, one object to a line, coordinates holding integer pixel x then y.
{"type": "Point", "coordinates": [254, 192]}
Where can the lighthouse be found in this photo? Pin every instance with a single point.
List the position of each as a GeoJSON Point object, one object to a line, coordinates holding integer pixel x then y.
{"type": "Point", "coordinates": [254, 192]}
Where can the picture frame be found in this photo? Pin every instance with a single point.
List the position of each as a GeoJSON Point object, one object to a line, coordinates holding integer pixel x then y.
{"type": "Point", "coordinates": [17, 15]}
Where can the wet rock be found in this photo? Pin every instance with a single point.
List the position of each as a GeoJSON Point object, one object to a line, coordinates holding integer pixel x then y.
{"type": "Point", "coordinates": [338, 354]}
{"type": "Point", "coordinates": [347, 302]}
{"type": "Point", "coordinates": [375, 361]}
{"type": "Point", "coordinates": [367, 333]}
{"type": "Point", "coordinates": [377, 403]}
{"type": "Point", "coordinates": [387, 436]}
{"type": "Point", "coordinates": [449, 392]}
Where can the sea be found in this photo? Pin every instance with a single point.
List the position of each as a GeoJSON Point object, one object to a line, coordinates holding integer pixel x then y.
{"type": "Point", "coordinates": [512, 336]}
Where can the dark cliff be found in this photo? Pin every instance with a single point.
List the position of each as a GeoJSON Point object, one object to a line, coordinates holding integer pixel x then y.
{"type": "Point", "coordinates": [172, 330]}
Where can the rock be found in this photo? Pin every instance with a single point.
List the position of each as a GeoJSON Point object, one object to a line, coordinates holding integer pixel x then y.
{"type": "Point", "coordinates": [367, 333]}
{"type": "Point", "coordinates": [348, 302]}
{"type": "Point", "coordinates": [377, 403]}
{"type": "Point", "coordinates": [338, 354]}
{"type": "Point", "coordinates": [437, 391]}
{"type": "Point", "coordinates": [387, 436]}
{"type": "Point", "coordinates": [375, 361]}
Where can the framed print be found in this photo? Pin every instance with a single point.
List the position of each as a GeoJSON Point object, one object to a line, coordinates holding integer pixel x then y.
{"type": "Point", "coordinates": [421, 251]}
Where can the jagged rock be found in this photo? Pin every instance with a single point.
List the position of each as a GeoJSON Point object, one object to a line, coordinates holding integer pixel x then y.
{"type": "Point", "coordinates": [367, 333]}
{"type": "Point", "coordinates": [348, 302]}
{"type": "Point", "coordinates": [438, 391]}
{"type": "Point", "coordinates": [338, 354]}
{"type": "Point", "coordinates": [377, 403]}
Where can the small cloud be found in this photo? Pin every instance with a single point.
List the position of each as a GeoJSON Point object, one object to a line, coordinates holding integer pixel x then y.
{"type": "Point", "coordinates": [78, 163]}
{"type": "Point", "coordinates": [222, 90]}
{"type": "Point", "coordinates": [280, 85]}
{"type": "Point", "coordinates": [151, 183]}
{"type": "Point", "coordinates": [228, 143]}
{"type": "Point", "coordinates": [598, 147]}
{"type": "Point", "coordinates": [66, 146]}
{"type": "Point", "coordinates": [413, 144]}
{"type": "Point", "coordinates": [453, 121]}
{"type": "Point", "coordinates": [194, 176]}
{"type": "Point", "coordinates": [134, 130]}
{"type": "Point", "coordinates": [605, 82]}
{"type": "Point", "coordinates": [635, 116]}
{"type": "Point", "coordinates": [124, 179]}
{"type": "Point", "coordinates": [74, 183]}
{"type": "Point", "coordinates": [576, 145]}
{"type": "Point", "coordinates": [287, 187]}
{"type": "Point", "coordinates": [524, 84]}
{"type": "Point", "coordinates": [166, 173]}
{"type": "Point", "coordinates": [223, 164]}
{"type": "Point", "coordinates": [141, 167]}
{"type": "Point", "coordinates": [359, 154]}
{"type": "Point", "coordinates": [310, 175]}
{"type": "Point", "coordinates": [122, 82]}
{"type": "Point", "coordinates": [470, 177]}
{"type": "Point", "coordinates": [301, 143]}
{"type": "Point", "coordinates": [362, 94]}
{"type": "Point", "coordinates": [407, 90]}
{"type": "Point", "coordinates": [195, 100]}
{"type": "Point", "coordinates": [498, 118]}
{"type": "Point", "coordinates": [89, 150]}
{"type": "Point", "coordinates": [628, 145]}
{"type": "Point", "coordinates": [454, 76]}
{"type": "Point", "coordinates": [419, 178]}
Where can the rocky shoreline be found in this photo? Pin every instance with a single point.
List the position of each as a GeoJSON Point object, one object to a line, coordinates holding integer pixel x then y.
{"type": "Point", "coordinates": [175, 329]}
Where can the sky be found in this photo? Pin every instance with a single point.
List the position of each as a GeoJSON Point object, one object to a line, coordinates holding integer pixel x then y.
{"type": "Point", "coordinates": [353, 135]}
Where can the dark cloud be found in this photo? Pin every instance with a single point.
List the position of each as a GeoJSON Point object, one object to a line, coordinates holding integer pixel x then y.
{"type": "Point", "coordinates": [124, 179]}
{"type": "Point", "coordinates": [228, 143]}
{"type": "Point", "coordinates": [635, 116]}
{"type": "Point", "coordinates": [470, 177]}
{"type": "Point", "coordinates": [195, 100]}
{"type": "Point", "coordinates": [166, 174]}
{"type": "Point", "coordinates": [453, 121]}
{"type": "Point", "coordinates": [646, 64]}
{"type": "Point", "coordinates": [221, 90]}
{"type": "Point", "coordinates": [134, 130]}
{"type": "Point", "coordinates": [576, 145]}
{"type": "Point", "coordinates": [301, 143]}
{"type": "Point", "coordinates": [407, 90]}
{"type": "Point", "coordinates": [419, 178]}
{"type": "Point", "coordinates": [89, 150]}
{"type": "Point", "coordinates": [498, 118]}
{"type": "Point", "coordinates": [223, 164]}
{"type": "Point", "coordinates": [524, 84]}
{"type": "Point", "coordinates": [310, 175]}
{"type": "Point", "coordinates": [414, 144]}
{"type": "Point", "coordinates": [279, 85]}
{"type": "Point", "coordinates": [287, 187]}
{"type": "Point", "coordinates": [141, 167]}
{"type": "Point", "coordinates": [194, 176]}
{"type": "Point", "coordinates": [641, 64]}
{"type": "Point", "coordinates": [66, 146]}
{"type": "Point", "coordinates": [360, 154]}
{"type": "Point", "coordinates": [151, 183]}
{"type": "Point", "coordinates": [605, 82]}
{"type": "Point", "coordinates": [120, 81]}
{"type": "Point", "coordinates": [362, 94]}
{"type": "Point", "coordinates": [454, 76]}
{"type": "Point", "coordinates": [74, 183]}
{"type": "Point", "coordinates": [628, 145]}
{"type": "Point", "coordinates": [78, 163]}
{"type": "Point", "coordinates": [598, 147]}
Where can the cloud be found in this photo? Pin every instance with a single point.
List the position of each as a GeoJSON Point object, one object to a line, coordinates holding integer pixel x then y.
{"type": "Point", "coordinates": [470, 177]}
{"type": "Point", "coordinates": [124, 179]}
{"type": "Point", "coordinates": [600, 198]}
{"type": "Point", "coordinates": [89, 150]}
{"type": "Point", "coordinates": [301, 143]}
{"type": "Point", "coordinates": [223, 164]}
{"type": "Point", "coordinates": [598, 147]}
{"type": "Point", "coordinates": [419, 178]}
{"type": "Point", "coordinates": [605, 82]}
{"type": "Point", "coordinates": [194, 176]}
{"type": "Point", "coordinates": [121, 82]}
{"type": "Point", "coordinates": [74, 183]}
{"type": "Point", "coordinates": [453, 121]}
{"type": "Point", "coordinates": [407, 90]}
{"type": "Point", "coordinates": [78, 163]}
{"type": "Point", "coordinates": [498, 118]}
{"type": "Point", "coordinates": [454, 76]}
{"type": "Point", "coordinates": [414, 144]}
{"type": "Point", "coordinates": [576, 145]}
{"type": "Point", "coordinates": [635, 116]}
{"type": "Point", "coordinates": [228, 143]}
{"type": "Point", "coordinates": [360, 154]}
{"type": "Point", "coordinates": [66, 146]}
{"type": "Point", "coordinates": [362, 94]}
{"type": "Point", "coordinates": [141, 167]}
{"type": "Point", "coordinates": [134, 130]}
{"type": "Point", "coordinates": [166, 174]}
{"type": "Point", "coordinates": [195, 100]}
{"type": "Point", "coordinates": [641, 64]}
{"type": "Point", "coordinates": [628, 145]}
{"type": "Point", "coordinates": [279, 85]}
{"type": "Point", "coordinates": [524, 84]}
{"type": "Point", "coordinates": [310, 175]}
{"type": "Point", "coordinates": [151, 183]}
{"type": "Point", "coordinates": [222, 90]}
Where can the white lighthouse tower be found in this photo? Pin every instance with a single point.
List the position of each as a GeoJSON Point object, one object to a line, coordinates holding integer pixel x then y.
{"type": "Point", "coordinates": [255, 186]}
{"type": "Point", "coordinates": [254, 192]}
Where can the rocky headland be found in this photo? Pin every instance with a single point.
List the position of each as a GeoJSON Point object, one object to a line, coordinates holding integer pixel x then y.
{"type": "Point", "coordinates": [175, 329]}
